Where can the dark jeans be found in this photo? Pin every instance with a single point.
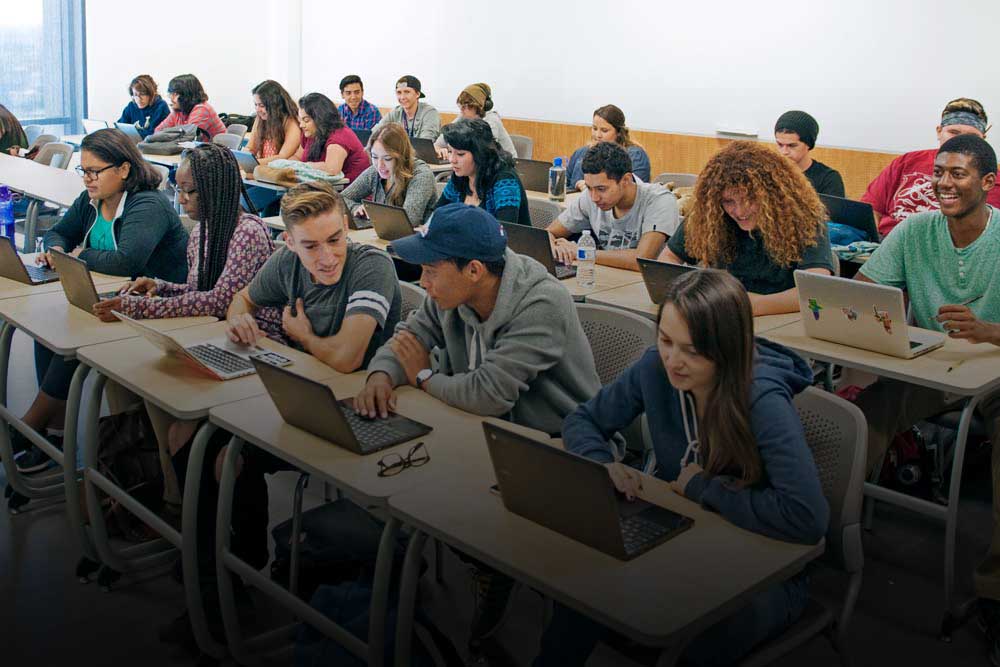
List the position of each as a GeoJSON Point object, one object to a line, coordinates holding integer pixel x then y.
{"type": "Point", "coordinates": [54, 373]}
{"type": "Point", "coordinates": [265, 200]}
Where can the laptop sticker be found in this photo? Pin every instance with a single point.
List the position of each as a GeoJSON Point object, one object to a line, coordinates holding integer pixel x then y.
{"type": "Point", "coordinates": [815, 308]}
{"type": "Point", "coordinates": [850, 314]}
{"type": "Point", "coordinates": [883, 317]}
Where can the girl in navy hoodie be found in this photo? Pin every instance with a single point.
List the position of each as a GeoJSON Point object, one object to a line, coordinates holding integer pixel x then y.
{"type": "Point", "coordinates": [147, 109]}
{"type": "Point", "coordinates": [725, 435]}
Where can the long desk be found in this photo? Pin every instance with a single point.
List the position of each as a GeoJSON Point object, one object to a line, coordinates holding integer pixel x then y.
{"type": "Point", "coordinates": [41, 183]}
{"type": "Point", "coordinates": [958, 368]}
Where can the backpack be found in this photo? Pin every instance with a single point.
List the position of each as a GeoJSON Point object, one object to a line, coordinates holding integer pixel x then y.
{"type": "Point", "coordinates": [169, 140]}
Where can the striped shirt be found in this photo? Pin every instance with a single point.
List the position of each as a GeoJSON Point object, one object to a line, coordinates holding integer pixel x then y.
{"type": "Point", "coordinates": [202, 115]}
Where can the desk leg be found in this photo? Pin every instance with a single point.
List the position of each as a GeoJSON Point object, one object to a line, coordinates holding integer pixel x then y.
{"type": "Point", "coordinates": [408, 598]}
{"type": "Point", "coordinates": [380, 593]}
{"type": "Point", "coordinates": [30, 226]}
{"type": "Point", "coordinates": [70, 474]}
{"type": "Point", "coordinates": [224, 515]}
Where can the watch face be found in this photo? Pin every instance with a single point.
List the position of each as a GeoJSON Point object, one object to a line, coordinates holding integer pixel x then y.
{"type": "Point", "coordinates": [424, 374]}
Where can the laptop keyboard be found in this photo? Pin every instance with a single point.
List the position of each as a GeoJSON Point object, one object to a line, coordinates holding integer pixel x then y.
{"type": "Point", "coordinates": [638, 532]}
{"type": "Point", "coordinates": [40, 274]}
{"type": "Point", "coordinates": [371, 433]}
{"type": "Point", "coordinates": [220, 360]}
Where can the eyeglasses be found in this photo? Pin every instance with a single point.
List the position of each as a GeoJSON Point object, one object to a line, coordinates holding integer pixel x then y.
{"type": "Point", "coordinates": [92, 174]}
{"type": "Point", "coordinates": [393, 464]}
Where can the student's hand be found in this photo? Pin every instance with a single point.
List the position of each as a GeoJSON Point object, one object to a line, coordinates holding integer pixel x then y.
{"type": "Point", "coordinates": [103, 309]}
{"type": "Point", "coordinates": [14, 150]}
{"type": "Point", "coordinates": [442, 153]}
{"type": "Point", "coordinates": [687, 473]}
{"type": "Point", "coordinates": [960, 322]}
{"type": "Point", "coordinates": [298, 327]}
{"type": "Point", "coordinates": [564, 251]}
{"type": "Point", "coordinates": [76, 252]}
{"type": "Point", "coordinates": [139, 287]}
{"type": "Point", "coordinates": [243, 329]}
{"type": "Point", "coordinates": [377, 397]}
{"type": "Point", "coordinates": [627, 480]}
{"type": "Point", "coordinates": [580, 185]}
{"type": "Point", "coordinates": [45, 259]}
{"type": "Point", "coordinates": [360, 212]}
{"type": "Point", "coordinates": [411, 353]}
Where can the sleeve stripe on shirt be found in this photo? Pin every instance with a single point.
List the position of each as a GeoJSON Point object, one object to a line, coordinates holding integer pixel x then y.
{"type": "Point", "coordinates": [371, 300]}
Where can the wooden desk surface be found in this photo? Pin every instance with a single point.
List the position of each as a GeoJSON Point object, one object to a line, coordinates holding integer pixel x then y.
{"type": "Point", "coordinates": [675, 589]}
{"type": "Point", "coordinates": [976, 368]}
{"type": "Point", "coordinates": [178, 387]}
{"type": "Point", "coordinates": [53, 322]}
{"type": "Point", "coordinates": [605, 278]}
{"type": "Point", "coordinates": [61, 186]}
{"type": "Point", "coordinates": [10, 289]}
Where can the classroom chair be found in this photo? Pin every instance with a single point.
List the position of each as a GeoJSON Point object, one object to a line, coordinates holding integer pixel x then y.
{"type": "Point", "coordinates": [239, 129]}
{"type": "Point", "coordinates": [439, 186]}
{"type": "Point", "coordinates": [55, 154]}
{"type": "Point", "coordinates": [542, 212]}
{"type": "Point", "coordinates": [837, 434]}
{"type": "Point", "coordinates": [413, 298]}
{"type": "Point", "coordinates": [230, 141]}
{"type": "Point", "coordinates": [524, 146]}
{"type": "Point", "coordinates": [679, 180]}
{"type": "Point", "coordinates": [41, 140]}
{"type": "Point", "coordinates": [32, 132]}
{"type": "Point", "coordinates": [164, 173]}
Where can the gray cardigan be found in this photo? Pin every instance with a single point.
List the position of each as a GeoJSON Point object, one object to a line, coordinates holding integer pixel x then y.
{"type": "Point", "coordinates": [426, 124]}
{"type": "Point", "coordinates": [420, 192]}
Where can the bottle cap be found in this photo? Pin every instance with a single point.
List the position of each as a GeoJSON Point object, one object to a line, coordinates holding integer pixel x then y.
{"type": "Point", "coordinates": [557, 162]}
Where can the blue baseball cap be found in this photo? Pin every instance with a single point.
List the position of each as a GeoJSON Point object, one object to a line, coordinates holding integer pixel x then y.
{"type": "Point", "coordinates": [455, 231]}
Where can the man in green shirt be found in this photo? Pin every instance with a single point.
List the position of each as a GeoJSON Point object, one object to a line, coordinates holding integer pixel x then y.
{"type": "Point", "coordinates": [946, 261]}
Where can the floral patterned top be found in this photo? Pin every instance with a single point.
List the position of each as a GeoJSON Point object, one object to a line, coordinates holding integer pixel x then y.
{"type": "Point", "coordinates": [249, 249]}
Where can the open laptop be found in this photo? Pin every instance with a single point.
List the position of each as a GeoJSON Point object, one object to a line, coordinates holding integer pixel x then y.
{"type": "Point", "coordinates": [390, 222]}
{"type": "Point", "coordinates": [659, 275]}
{"type": "Point", "coordinates": [13, 268]}
{"type": "Point", "coordinates": [91, 125]}
{"type": "Point", "coordinates": [575, 497]}
{"type": "Point", "coordinates": [857, 214]}
{"type": "Point", "coordinates": [864, 315]}
{"type": "Point", "coordinates": [313, 407]}
{"type": "Point", "coordinates": [424, 148]}
{"type": "Point", "coordinates": [534, 174]}
{"type": "Point", "coordinates": [534, 243]}
{"type": "Point", "coordinates": [130, 131]}
{"type": "Point", "coordinates": [220, 357]}
{"type": "Point", "coordinates": [363, 136]}
{"type": "Point", "coordinates": [77, 282]}
{"type": "Point", "coordinates": [247, 160]}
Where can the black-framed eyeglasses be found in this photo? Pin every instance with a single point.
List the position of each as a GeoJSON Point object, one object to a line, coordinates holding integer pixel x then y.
{"type": "Point", "coordinates": [92, 174]}
{"type": "Point", "coordinates": [393, 464]}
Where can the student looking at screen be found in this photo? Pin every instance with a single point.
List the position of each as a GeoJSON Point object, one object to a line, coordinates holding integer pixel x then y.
{"type": "Point", "coordinates": [189, 106]}
{"type": "Point", "coordinates": [147, 109]}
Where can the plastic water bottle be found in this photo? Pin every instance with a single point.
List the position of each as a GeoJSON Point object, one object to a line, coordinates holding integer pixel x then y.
{"type": "Point", "coordinates": [586, 260]}
{"type": "Point", "coordinates": [557, 180]}
{"type": "Point", "coordinates": [7, 214]}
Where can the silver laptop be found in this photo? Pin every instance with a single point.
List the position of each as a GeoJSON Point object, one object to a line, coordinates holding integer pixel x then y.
{"type": "Point", "coordinates": [859, 314]}
{"type": "Point", "coordinates": [218, 357]}
{"type": "Point", "coordinates": [390, 222]}
{"type": "Point", "coordinates": [77, 282]}
{"type": "Point", "coordinates": [534, 243]}
{"type": "Point", "coordinates": [575, 497]}
{"type": "Point", "coordinates": [659, 275]}
{"type": "Point", "coordinates": [13, 268]}
{"type": "Point", "coordinates": [91, 125]}
{"type": "Point", "coordinates": [247, 160]}
{"type": "Point", "coordinates": [130, 131]}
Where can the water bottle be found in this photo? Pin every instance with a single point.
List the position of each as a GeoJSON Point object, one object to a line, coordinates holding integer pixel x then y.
{"type": "Point", "coordinates": [586, 259]}
{"type": "Point", "coordinates": [557, 180]}
{"type": "Point", "coordinates": [7, 214]}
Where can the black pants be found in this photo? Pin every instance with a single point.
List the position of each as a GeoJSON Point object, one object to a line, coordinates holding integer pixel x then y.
{"type": "Point", "coordinates": [54, 373]}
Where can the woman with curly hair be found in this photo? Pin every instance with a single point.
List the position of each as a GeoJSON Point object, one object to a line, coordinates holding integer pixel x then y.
{"type": "Point", "coordinates": [756, 216]}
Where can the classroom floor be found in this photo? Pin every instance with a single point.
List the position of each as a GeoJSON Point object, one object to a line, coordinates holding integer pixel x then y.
{"type": "Point", "coordinates": [48, 618]}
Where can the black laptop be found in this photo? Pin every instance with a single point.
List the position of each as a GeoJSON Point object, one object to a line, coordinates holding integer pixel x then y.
{"type": "Point", "coordinates": [425, 150]}
{"type": "Point", "coordinates": [534, 174]}
{"type": "Point", "coordinates": [659, 275]}
{"type": "Point", "coordinates": [857, 214]}
{"type": "Point", "coordinates": [13, 268]}
{"type": "Point", "coordinates": [534, 243]}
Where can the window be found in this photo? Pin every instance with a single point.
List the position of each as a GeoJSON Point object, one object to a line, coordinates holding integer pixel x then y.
{"type": "Point", "coordinates": [42, 48]}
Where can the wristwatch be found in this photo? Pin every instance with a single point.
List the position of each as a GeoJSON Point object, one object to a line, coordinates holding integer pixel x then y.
{"type": "Point", "coordinates": [423, 376]}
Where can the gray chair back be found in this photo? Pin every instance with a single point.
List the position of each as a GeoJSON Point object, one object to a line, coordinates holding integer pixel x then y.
{"type": "Point", "coordinates": [164, 173]}
{"type": "Point", "coordinates": [230, 141]}
{"type": "Point", "coordinates": [542, 211]}
{"type": "Point", "coordinates": [679, 180]}
{"type": "Point", "coordinates": [413, 298]}
{"type": "Point", "coordinates": [525, 146]}
{"type": "Point", "coordinates": [32, 132]}
{"type": "Point", "coordinates": [439, 186]}
{"type": "Point", "coordinates": [239, 129]}
{"type": "Point", "coordinates": [41, 140]}
{"type": "Point", "coordinates": [55, 154]}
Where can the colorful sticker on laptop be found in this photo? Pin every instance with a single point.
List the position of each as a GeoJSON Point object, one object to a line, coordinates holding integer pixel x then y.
{"type": "Point", "coordinates": [815, 308]}
{"type": "Point", "coordinates": [883, 317]}
{"type": "Point", "coordinates": [850, 314]}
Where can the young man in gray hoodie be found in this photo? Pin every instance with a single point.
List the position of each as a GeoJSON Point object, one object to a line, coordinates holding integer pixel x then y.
{"type": "Point", "coordinates": [509, 339]}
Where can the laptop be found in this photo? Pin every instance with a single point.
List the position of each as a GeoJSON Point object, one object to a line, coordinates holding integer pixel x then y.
{"type": "Point", "coordinates": [575, 497]}
{"type": "Point", "coordinates": [77, 282]}
{"type": "Point", "coordinates": [390, 222]}
{"type": "Point", "coordinates": [220, 357]}
{"type": "Point", "coordinates": [425, 150]}
{"type": "Point", "coordinates": [857, 214]}
{"type": "Point", "coordinates": [130, 131]}
{"type": "Point", "coordinates": [91, 125]}
{"type": "Point", "coordinates": [363, 136]}
{"type": "Point", "coordinates": [313, 407]}
{"type": "Point", "coordinates": [247, 160]}
{"type": "Point", "coordinates": [534, 174]}
{"type": "Point", "coordinates": [12, 268]}
{"type": "Point", "coordinates": [864, 315]}
{"type": "Point", "coordinates": [659, 275]}
{"type": "Point", "coordinates": [534, 243]}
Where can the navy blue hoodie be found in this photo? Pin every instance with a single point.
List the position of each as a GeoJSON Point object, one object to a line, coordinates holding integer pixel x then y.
{"type": "Point", "coordinates": [787, 504]}
{"type": "Point", "coordinates": [147, 118]}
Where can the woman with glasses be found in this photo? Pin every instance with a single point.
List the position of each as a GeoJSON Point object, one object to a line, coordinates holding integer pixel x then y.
{"type": "Point", "coordinates": [120, 225]}
{"type": "Point", "coordinates": [147, 109]}
{"type": "Point", "coordinates": [397, 177]}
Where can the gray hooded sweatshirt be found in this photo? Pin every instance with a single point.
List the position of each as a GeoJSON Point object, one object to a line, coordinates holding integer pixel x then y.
{"type": "Point", "coordinates": [530, 360]}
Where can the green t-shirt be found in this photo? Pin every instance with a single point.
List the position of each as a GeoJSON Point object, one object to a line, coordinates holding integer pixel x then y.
{"type": "Point", "coordinates": [102, 234]}
{"type": "Point", "coordinates": [919, 256]}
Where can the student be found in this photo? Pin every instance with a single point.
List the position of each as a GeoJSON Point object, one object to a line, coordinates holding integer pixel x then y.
{"type": "Point", "coordinates": [726, 435]}
{"type": "Point", "coordinates": [609, 125]}
{"type": "Point", "coordinates": [147, 109]}
{"type": "Point", "coordinates": [397, 177]}
{"type": "Point", "coordinates": [795, 134]}
{"type": "Point", "coordinates": [120, 225]}
{"type": "Point", "coordinates": [628, 218]}
{"type": "Point", "coordinates": [904, 187]}
{"type": "Point", "coordinates": [189, 106]}
{"type": "Point", "coordinates": [328, 144]}
{"type": "Point", "coordinates": [357, 112]}
{"type": "Point", "coordinates": [507, 338]}
{"type": "Point", "coordinates": [476, 101]}
{"type": "Point", "coordinates": [12, 137]}
{"type": "Point", "coordinates": [943, 258]}
{"type": "Point", "coordinates": [756, 216]}
{"type": "Point", "coordinates": [419, 119]}
{"type": "Point", "coordinates": [482, 175]}
{"type": "Point", "coordinates": [276, 134]}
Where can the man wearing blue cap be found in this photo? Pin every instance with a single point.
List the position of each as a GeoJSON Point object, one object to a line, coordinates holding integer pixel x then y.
{"type": "Point", "coordinates": [509, 338]}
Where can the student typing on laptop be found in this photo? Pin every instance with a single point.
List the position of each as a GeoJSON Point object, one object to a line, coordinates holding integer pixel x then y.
{"type": "Point", "coordinates": [946, 261]}
{"type": "Point", "coordinates": [726, 436]}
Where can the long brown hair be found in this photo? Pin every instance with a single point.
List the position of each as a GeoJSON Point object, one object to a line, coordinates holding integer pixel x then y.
{"type": "Point", "coordinates": [719, 318]}
{"type": "Point", "coordinates": [9, 124]}
{"type": "Point", "coordinates": [615, 117]}
{"type": "Point", "coordinates": [280, 109]}
{"type": "Point", "coordinates": [790, 216]}
{"type": "Point", "coordinates": [145, 84]}
{"type": "Point", "coordinates": [393, 137]}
